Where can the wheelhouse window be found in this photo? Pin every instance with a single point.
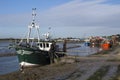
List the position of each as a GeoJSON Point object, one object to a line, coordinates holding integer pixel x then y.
{"type": "Point", "coordinates": [40, 44]}
{"type": "Point", "coordinates": [47, 45]}
{"type": "Point", "coordinates": [44, 45]}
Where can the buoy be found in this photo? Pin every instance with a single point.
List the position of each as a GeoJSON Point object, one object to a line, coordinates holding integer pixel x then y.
{"type": "Point", "coordinates": [105, 46]}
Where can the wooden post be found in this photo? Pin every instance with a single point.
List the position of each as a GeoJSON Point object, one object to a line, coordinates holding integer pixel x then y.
{"type": "Point", "coordinates": [51, 53]}
{"type": "Point", "coordinates": [64, 46]}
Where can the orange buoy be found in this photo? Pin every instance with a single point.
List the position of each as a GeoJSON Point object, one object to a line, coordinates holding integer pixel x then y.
{"type": "Point", "coordinates": [105, 46]}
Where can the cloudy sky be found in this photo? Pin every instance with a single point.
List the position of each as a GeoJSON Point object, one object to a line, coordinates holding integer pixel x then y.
{"type": "Point", "coordinates": [67, 18]}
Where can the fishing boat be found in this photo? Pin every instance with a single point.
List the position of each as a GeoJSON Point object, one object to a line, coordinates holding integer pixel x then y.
{"type": "Point", "coordinates": [33, 51]}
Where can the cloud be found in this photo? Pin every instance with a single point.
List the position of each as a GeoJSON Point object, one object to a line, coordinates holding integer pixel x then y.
{"type": "Point", "coordinates": [75, 18]}
{"type": "Point", "coordinates": [83, 13]}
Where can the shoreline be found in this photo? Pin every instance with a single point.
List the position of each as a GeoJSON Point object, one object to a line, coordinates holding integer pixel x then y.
{"type": "Point", "coordinates": [70, 67]}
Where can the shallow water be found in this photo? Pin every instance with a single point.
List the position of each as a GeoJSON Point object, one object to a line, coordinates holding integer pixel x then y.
{"type": "Point", "coordinates": [11, 64]}
{"type": "Point", "coordinates": [83, 50]}
{"type": "Point", "coordinates": [8, 64]}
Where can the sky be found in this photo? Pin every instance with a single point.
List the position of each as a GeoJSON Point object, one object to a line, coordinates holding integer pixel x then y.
{"type": "Point", "coordinates": [67, 18]}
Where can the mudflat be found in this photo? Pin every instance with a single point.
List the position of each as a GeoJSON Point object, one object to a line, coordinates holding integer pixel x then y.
{"type": "Point", "coordinates": [95, 67]}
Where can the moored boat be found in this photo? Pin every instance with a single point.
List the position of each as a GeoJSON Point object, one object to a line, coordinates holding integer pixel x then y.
{"type": "Point", "coordinates": [32, 51]}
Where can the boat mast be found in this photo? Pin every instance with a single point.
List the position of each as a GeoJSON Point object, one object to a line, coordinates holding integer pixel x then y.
{"type": "Point", "coordinates": [33, 25]}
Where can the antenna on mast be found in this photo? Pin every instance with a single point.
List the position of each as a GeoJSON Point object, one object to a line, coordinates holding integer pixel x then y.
{"type": "Point", "coordinates": [33, 13]}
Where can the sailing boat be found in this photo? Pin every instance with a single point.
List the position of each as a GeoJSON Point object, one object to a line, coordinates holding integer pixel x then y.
{"type": "Point", "coordinates": [34, 52]}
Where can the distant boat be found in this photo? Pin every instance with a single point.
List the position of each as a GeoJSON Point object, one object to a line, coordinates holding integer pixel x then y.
{"type": "Point", "coordinates": [32, 51]}
{"type": "Point", "coordinates": [87, 42]}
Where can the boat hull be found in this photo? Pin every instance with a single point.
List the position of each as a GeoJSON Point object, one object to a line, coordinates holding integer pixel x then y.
{"type": "Point", "coordinates": [30, 57]}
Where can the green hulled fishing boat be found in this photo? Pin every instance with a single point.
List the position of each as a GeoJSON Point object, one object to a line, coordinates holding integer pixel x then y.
{"type": "Point", "coordinates": [32, 51]}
